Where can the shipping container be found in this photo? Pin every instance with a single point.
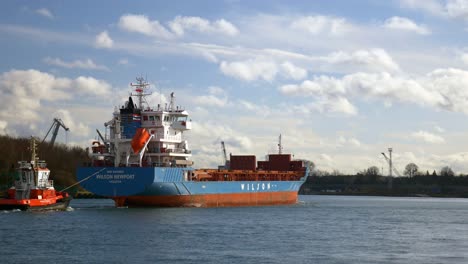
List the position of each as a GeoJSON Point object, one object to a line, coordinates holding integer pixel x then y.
{"type": "Point", "coordinates": [243, 162]}
{"type": "Point", "coordinates": [279, 162]}
{"type": "Point", "coordinates": [296, 165]}
{"type": "Point", "coordinates": [263, 165]}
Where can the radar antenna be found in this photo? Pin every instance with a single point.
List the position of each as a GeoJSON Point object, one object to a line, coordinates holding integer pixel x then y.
{"type": "Point", "coordinates": [140, 88]}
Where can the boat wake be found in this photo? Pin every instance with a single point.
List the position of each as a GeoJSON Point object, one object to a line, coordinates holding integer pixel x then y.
{"type": "Point", "coordinates": [11, 211]}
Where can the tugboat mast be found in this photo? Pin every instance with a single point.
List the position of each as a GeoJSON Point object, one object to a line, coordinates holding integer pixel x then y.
{"type": "Point", "coordinates": [34, 158]}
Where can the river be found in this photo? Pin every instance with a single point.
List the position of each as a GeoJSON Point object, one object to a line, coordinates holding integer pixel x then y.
{"type": "Point", "coordinates": [320, 229]}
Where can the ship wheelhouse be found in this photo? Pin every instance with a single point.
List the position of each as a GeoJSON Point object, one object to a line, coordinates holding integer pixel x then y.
{"type": "Point", "coordinates": [165, 145]}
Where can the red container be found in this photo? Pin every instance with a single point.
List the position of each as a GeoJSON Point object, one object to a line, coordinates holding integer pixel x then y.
{"type": "Point", "coordinates": [263, 165]}
{"type": "Point", "coordinates": [243, 162]}
{"type": "Point", "coordinates": [296, 165]}
{"type": "Point", "coordinates": [279, 162]}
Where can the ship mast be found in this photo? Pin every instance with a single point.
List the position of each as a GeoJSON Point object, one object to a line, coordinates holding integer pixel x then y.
{"type": "Point", "coordinates": [34, 158]}
{"type": "Point", "coordinates": [140, 87]}
{"type": "Point", "coordinates": [280, 146]}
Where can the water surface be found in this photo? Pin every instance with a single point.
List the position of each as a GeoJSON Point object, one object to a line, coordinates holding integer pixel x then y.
{"type": "Point", "coordinates": [320, 229]}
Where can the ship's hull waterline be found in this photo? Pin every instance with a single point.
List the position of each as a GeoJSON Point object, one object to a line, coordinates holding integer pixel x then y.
{"type": "Point", "coordinates": [166, 187]}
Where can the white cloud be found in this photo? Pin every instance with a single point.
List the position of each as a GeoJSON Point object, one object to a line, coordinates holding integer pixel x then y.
{"type": "Point", "coordinates": [3, 126]}
{"type": "Point", "coordinates": [325, 161]}
{"type": "Point", "coordinates": [28, 91]}
{"type": "Point", "coordinates": [464, 58]}
{"type": "Point", "coordinates": [210, 100]}
{"type": "Point", "coordinates": [430, 6]}
{"type": "Point", "coordinates": [80, 64]}
{"type": "Point", "coordinates": [213, 98]}
{"type": "Point", "coordinates": [261, 69]}
{"type": "Point", "coordinates": [103, 40]}
{"type": "Point", "coordinates": [258, 109]}
{"type": "Point", "coordinates": [293, 72]}
{"type": "Point", "coordinates": [45, 13]}
{"type": "Point", "coordinates": [339, 105]}
{"type": "Point", "coordinates": [344, 142]}
{"type": "Point", "coordinates": [371, 60]}
{"type": "Point", "coordinates": [439, 129]}
{"type": "Point", "coordinates": [90, 85]}
{"type": "Point", "coordinates": [318, 86]}
{"type": "Point", "coordinates": [76, 127]}
{"type": "Point", "coordinates": [142, 24]}
{"type": "Point", "coordinates": [457, 9]}
{"type": "Point", "coordinates": [428, 137]}
{"type": "Point", "coordinates": [441, 88]}
{"type": "Point", "coordinates": [405, 24]}
{"type": "Point", "coordinates": [354, 142]}
{"type": "Point", "coordinates": [180, 24]}
{"type": "Point", "coordinates": [123, 62]}
{"type": "Point", "coordinates": [216, 90]}
{"type": "Point", "coordinates": [250, 70]}
{"type": "Point", "coordinates": [319, 24]}
{"type": "Point", "coordinates": [207, 136]}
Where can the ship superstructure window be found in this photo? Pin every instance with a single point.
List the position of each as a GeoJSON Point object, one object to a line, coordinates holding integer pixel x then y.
{"type": "Point", "coordinates": [182, 118]}
{"type": "Point", "coordinates": [157, 118]}
{"type": "Point", "coordinates": [166, 118]}
{"type": "Point", "coordinates": [151, 118]}
{"type": "Point", "coordinates": [145, 118]}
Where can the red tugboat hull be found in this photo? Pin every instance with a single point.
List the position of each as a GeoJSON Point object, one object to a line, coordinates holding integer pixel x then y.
{"type": "Point", "coordinates": [60, 201]}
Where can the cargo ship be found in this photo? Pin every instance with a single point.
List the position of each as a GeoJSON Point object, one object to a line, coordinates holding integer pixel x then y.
{"type": "Point", "coordinates": [144, 160]}
{"type": "Point", "coordinates": [32, 189]}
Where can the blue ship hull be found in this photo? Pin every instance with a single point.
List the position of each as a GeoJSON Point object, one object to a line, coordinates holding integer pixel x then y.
{"type": "Point", "coordinates": [137, 186]}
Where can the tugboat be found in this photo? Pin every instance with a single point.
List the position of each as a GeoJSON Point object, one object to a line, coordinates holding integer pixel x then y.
{"type": "Point", "coordinates": [32, 189]}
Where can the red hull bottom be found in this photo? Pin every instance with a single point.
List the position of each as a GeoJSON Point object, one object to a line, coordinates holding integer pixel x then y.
{"type": "Point", "coordinates": [35, 204]}
{"type": "Point", "coordinates": [209, 200]}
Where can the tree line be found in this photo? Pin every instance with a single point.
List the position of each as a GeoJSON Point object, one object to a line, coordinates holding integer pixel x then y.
{"type": "Point", "coordinates": [62, 160]}
{"type": "Point", "coordinates": [411, 170]}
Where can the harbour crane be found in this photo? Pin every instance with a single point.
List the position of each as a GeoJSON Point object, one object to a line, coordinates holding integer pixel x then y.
{"type": "Point", "coordinates": [390, 163]}
{"type": "Point", "coordinates": [223, 148]}
{"type": "Point", "coordinates": [56, 124]}
{"type": "Point", "coordinates": [100, 136]}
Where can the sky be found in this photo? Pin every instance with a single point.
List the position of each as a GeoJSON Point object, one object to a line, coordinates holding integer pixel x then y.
{"type": "Point", "coordinates": [341, 81]}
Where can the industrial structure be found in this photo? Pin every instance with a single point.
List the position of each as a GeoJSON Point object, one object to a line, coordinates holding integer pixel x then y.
{"type": "Point", "coordinates": [56, 124]}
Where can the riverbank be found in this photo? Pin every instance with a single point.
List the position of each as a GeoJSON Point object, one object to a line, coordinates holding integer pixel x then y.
{"type": "Point", "coordinates": [418, 186]}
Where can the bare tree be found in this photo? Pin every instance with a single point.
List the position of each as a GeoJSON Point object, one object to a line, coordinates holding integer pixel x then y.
{"type": "Point", "coordinates": [447, 171]}
{"type": "Point", "coordinates": [374, 171]}
{"type": "Point", "coordinates": [411, 169]}
{"type": "Point", "coordinates": [309, 164]}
